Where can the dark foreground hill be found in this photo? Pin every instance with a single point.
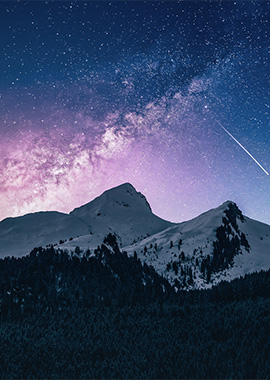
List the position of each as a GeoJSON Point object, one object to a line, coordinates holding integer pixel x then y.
{"type": "Point", "coordinates": [109, 316]}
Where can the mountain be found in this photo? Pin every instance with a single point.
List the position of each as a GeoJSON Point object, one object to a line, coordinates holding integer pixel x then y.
{"type": "Point", "coordinates": [221, 244]}
{"type": "Point", "coordinates": [121, 210]}
{"type": "Point", "coordinates": [19, 235]}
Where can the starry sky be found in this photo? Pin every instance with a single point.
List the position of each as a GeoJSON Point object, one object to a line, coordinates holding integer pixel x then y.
{"type": "Point", "coordinates": [94, 94]}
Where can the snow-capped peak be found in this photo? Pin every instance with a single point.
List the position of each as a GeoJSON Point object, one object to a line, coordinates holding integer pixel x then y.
{"type": "Point", "coordinates": [121, 210]}
{"type": "Point", "coordinates": [124, 195]}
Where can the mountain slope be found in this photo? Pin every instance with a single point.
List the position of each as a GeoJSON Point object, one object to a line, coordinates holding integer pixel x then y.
{"type": "Point", "coordinates": [123, 211]}
{"type": "Point", "coordinates": [220, 244]}
{"type": "Point", "coordinates": [49, 277]}
{"type": "Point", "coordinates": [19, 235]}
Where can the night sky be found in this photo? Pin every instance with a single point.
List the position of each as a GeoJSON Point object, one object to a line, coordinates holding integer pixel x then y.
{"type": "Point", "coordinates": [94, 94]}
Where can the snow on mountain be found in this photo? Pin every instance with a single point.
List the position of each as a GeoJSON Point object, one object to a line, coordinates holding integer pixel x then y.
{"type": "Point", "coordinates": [122, 211]}
{"type": "Point", "coordinates": [220, 244]}
{"type": "Point", "coordinates": [19, 235]}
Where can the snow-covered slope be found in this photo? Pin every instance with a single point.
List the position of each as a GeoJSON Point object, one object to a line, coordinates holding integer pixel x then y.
{"type": "Point", "coordinates": [122, 211]}
{"type": "Point", "coordinates": [19, 235]}
{"type": "Point", "coordinates": [220, 244]}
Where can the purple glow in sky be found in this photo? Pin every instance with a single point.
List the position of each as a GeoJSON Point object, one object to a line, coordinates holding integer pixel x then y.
{"type": "Point", "coordinates": [86, 107]}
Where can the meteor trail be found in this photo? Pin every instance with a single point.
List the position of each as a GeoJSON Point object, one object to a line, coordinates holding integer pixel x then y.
{"type": "Point", "coordinates": [242, 146]}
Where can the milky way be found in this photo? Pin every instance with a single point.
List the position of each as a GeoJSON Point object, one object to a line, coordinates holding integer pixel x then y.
{"type": "Point", "coordinates": [98, 93]}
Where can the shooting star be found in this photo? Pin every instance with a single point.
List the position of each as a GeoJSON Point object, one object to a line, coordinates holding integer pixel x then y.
{"type": "Point", "coordinates": [266, 172]}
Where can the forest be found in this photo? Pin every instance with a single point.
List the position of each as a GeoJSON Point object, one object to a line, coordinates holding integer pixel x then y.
{"type": "Point", "coordinates": [103, 314]}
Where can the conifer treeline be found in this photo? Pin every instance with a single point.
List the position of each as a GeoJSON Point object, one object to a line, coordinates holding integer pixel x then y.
{"type": "Point", "coordinates": [109, 316]}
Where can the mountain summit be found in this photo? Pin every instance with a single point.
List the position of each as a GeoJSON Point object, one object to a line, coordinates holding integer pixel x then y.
{"type": "Point", "coordinates": [125, 193]}
{"type": "Point", "coordinates": [123, 211]}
